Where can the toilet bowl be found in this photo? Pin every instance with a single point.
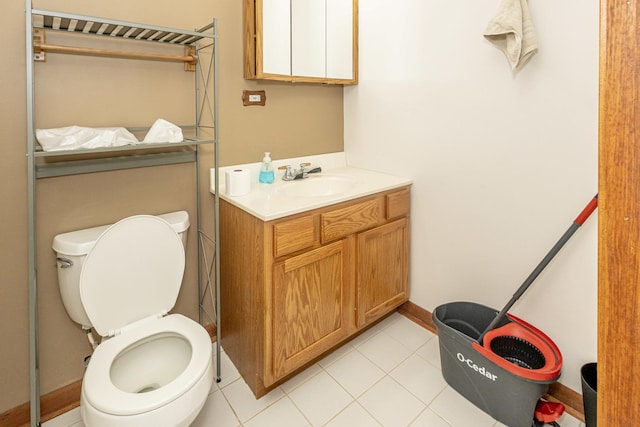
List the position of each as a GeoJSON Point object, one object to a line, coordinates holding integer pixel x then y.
{"type": "Point", "coordinates": [158, 374]}
{"type": "Point", "coordinates": [151, 368]}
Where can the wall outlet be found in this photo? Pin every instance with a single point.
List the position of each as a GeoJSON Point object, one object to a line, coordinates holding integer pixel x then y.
{"type": "Point", "coordinates": [254, 97]}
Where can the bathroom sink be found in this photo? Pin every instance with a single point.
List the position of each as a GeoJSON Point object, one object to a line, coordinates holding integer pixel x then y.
{"type": "Point", "coordinates": [318, 186]}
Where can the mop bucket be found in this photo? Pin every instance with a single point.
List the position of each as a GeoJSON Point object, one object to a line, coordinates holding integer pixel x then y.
{"type": "Point", "coordinates": [498, 362]}
{"type": "Point", "coordinates": [507, 375]}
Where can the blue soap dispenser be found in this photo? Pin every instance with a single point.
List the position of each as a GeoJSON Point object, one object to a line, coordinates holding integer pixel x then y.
{"type": "Point", "coordinates": [266, 170]}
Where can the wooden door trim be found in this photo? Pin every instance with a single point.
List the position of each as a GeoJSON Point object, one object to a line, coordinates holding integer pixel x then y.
{"type": "Point", "coordinates": [619, 216]}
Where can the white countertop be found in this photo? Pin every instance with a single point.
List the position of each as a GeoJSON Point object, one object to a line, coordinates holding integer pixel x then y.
{"type": "Point", "coordinates": [271, 201]}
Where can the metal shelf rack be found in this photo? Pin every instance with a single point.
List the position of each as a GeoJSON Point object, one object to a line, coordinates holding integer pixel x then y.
{"type": "Point", "coordinates": [43, 164]}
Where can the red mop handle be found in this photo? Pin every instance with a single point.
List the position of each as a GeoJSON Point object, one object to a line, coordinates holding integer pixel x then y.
{"type": "Point", "coordinates": [587, 211]}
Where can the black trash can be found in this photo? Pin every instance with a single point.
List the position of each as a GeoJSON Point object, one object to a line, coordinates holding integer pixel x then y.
{"type": "Point", "coordinates": [589, 374]}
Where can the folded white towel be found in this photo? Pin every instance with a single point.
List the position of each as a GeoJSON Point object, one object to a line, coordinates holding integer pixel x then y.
{"type": "Point", "coordinates": [511, 31]}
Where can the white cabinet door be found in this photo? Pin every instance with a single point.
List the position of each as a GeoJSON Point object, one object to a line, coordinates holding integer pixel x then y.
{"type": "Point", "coordinates": [308, 45]}
{"type": "Point", "coordinates": [339, 36]}
{"type": "Point", "coordinates": [276, 37]}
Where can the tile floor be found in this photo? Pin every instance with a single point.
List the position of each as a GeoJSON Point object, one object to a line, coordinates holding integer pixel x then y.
{"type": "Point", "coordinates": [388, 376]}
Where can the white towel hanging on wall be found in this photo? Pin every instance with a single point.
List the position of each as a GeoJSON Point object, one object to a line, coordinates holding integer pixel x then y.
{"type": "Point", "coordinates": [511, 31]}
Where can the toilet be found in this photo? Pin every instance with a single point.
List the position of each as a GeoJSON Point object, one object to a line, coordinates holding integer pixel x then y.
{"type": "Point", "coordinates": [151, 368]}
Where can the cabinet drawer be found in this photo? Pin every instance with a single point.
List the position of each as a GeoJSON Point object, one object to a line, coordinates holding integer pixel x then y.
{"type": "Point", "coordinates": [398, 204]}
{"type": "Point", "coordinates": [295, 234]}
{"type": "Point", "coordinates": [351, 219]}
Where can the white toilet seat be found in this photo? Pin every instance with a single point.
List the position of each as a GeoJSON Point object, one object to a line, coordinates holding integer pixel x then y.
{"type": "Point", "coordinates": [99, 390]}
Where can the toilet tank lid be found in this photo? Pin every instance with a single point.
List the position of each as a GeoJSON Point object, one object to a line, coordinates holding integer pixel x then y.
{"type": "Point", "coordinates": [79, 242]}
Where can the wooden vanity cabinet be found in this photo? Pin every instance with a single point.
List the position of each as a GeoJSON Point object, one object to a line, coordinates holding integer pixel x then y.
{"type": "Point", "coordinates": [296, 287]}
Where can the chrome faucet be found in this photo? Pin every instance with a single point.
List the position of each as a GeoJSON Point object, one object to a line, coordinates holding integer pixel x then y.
{"type": "Point", "coordinates": [291, 174]}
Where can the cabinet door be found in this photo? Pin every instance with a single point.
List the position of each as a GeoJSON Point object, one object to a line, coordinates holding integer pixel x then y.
{"type": "Point", "coordinates": [340, 39]}
{"type": "Point", "coordinates": [273, 54]}
{"type": "Point", "coordinates": [382, 272]}
{"type": "Point", "coordinates": [309, 307]}
{"type": "Point", "coordinates": [308, 44]}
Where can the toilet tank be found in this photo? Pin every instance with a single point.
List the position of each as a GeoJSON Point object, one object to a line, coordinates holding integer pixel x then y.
{"type": "Point", "coordinates": [71, 249]}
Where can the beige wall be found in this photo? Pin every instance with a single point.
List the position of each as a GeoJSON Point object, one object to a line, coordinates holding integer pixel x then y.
{"type": "Point", "coordinates": [297, 120]}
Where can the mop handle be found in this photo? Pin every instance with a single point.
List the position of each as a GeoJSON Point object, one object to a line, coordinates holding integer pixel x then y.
{"type": "Point", "coordinates": [580, 219]}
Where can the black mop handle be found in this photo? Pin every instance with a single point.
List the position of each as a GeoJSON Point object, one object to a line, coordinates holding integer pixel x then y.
{"type": "Point", "coordinates": [586, 212]}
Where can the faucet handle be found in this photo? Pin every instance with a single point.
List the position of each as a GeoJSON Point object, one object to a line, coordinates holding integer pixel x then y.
{"type": "Point", "coordinates": [289, 173]}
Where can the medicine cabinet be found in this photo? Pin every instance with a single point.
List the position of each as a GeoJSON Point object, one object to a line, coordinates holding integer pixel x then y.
{"type": "Point", "coordinates": [312, 41]}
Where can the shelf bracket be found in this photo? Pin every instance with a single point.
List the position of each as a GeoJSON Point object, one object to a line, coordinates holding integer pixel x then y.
{"type": "Point", "coordinates": [39, 38]}
{"type": "Point", "coordinates": [190, 51]}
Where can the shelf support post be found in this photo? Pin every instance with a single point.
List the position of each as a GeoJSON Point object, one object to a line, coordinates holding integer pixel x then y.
{"type": "Point", "coordinates": [32, 283]}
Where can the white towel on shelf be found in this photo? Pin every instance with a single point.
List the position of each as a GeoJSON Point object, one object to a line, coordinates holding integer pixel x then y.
{"type": "Point", "coordinates": [511, 31]}
{"type": "Point", "coordinates": [75, 137]}
{"type": "Point", "coordinates": [163, 131]}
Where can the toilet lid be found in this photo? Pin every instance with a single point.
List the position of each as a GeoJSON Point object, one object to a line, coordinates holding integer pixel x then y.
{"type": "Point", "coordinates": [134, 271]}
